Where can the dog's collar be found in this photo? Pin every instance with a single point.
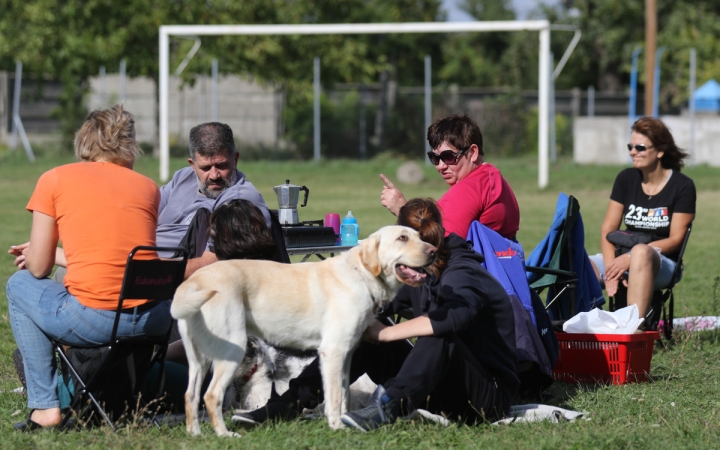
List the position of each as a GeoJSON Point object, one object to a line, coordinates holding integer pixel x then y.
{"type": "Point", "coordinates": [247, 377]}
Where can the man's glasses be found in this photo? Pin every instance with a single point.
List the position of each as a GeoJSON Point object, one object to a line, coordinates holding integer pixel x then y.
{"type": "Point", "coordinates": [638, 147]}
{"type": "Point", "coordinates": [449, 157]}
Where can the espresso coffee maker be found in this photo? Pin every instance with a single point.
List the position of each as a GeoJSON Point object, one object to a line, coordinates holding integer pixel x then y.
{"type": "Point", "coordinates": [288, 196]}
{"type": "Point", "coordinates": [308, 233]}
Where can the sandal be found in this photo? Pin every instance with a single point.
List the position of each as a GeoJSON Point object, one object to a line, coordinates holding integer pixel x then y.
{"type": "Point", "coordinates": [30, 425]}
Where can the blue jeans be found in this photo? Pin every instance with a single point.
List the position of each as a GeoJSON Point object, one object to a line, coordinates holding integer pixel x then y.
{"type": "Point", "coordinates": [42, 309]}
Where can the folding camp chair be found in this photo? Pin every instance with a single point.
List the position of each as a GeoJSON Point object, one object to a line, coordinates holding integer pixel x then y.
{"type": "Point", "coordinates": [659, 299]}
{"type": "Point", "coordinates": [152, 279]}
{"type": "Point", "coordinates": [559, 264]}
{"type": "Point", "coordinates": [281, 254]}
{"type": "Point", "coordinates": [536, 343]}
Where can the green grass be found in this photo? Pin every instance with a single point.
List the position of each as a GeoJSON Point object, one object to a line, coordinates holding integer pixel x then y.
{"type": "Point", "coordinates": [679, 408]}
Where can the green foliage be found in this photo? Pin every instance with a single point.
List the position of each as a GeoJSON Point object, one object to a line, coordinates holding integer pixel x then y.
{"type": "Point", "coordinates": [613, 28]}
{"type": "Point", "coordinates": [340, 130]}
{"type": "Point", "coordinates": [483, 59]}
{"type": "Point", "coordinates": [339, 134]}
{"type": "Point", "coordinates": [70, 40]}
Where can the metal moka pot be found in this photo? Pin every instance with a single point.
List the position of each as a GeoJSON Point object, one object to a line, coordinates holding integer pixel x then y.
{"type": "Point", "coordinates": [288, 196]}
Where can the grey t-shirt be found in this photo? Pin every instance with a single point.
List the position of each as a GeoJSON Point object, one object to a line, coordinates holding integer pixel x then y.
{"type": "Point", "coordinates": [181, 198]}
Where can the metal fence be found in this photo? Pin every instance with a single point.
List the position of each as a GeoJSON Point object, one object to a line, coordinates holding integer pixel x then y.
{"type": "Point", "coordinates": [357, 121]}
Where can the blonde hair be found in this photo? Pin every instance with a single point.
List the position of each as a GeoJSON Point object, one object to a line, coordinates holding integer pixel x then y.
{"type": "Point", "coordinates": [107, 135]}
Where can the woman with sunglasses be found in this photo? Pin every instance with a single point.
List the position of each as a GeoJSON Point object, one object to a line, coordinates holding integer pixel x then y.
{"type": "Point", "coordinates": [477, 189]}
{"type": "Point", "coordinates": [651, 197]}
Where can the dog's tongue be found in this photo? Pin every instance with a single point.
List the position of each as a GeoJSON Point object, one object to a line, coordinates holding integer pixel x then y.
{"type": "Point", "coordinates": [410, 275]}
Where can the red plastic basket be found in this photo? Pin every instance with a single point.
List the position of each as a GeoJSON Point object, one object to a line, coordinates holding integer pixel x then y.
{"type": "Point", "coordinates": [605, 358]}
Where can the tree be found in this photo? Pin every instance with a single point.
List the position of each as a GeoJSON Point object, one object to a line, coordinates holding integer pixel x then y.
{"type": "Point", "coordinates": [70, 39]}
{"type": "Point", "coordinates": [612, 29]}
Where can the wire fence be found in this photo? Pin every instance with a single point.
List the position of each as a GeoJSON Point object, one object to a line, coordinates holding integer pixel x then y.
{"type": "Point", "coordinates": [357, 121]}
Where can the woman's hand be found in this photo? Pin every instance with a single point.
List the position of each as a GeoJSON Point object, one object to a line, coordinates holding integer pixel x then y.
{"type": "Point", "coordinates": [614, 272]}
{"type": "Point", "coordinates": [20, 253]}
{"type": "Point", "coordinates": [372, 333]}
{"type": "Point", "coordinates": [391, 197]}
{"type": "Point", "coordinates": [417, 327]}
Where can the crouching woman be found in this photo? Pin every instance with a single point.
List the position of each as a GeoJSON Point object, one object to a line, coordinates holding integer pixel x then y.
{"type": "Point", "coordinates": [463, 364]}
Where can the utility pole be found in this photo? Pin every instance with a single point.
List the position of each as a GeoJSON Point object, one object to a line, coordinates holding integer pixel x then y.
{"type": "Point", "coordinates": [650, 45]}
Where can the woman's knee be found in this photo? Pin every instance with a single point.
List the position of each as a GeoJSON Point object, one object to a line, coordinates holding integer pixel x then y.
{"type": "Point", "coordinates": [642, 256]}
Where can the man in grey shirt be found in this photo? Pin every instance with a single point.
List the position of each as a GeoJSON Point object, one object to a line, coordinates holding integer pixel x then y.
{"type": "Point", "coordinates": [211, 180]}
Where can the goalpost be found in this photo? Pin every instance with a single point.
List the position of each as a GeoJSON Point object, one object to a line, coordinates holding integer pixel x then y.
{"type": "Point", "coordinates": [541, 26]}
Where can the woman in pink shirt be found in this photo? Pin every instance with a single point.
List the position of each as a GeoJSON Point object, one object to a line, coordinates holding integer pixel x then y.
{"type": "Point", "coordinates": [477, 189]}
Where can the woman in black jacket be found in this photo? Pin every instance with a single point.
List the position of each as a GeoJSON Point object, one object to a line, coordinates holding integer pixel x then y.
{"type": "Point", "coordinates": [463, 364]}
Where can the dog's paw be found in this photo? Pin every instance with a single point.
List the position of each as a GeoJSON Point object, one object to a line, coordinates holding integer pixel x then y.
{"type": "Point", "coordinates": [336, 424]}
{"type": "Point", "coordinates": [228, 433]}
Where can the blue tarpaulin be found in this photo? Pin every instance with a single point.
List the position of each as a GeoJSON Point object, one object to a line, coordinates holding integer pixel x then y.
{"type": "Point", "coordinates": [707, 97]}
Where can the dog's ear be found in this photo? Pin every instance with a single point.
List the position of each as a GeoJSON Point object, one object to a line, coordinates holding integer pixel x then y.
{"type": "Point", "coordinates": [369, 254]}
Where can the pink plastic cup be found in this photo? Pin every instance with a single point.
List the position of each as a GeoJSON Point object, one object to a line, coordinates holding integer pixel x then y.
{"type": "Point", "coordinates": [333, 220]}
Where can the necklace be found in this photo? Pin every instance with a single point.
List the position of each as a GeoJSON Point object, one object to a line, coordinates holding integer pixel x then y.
{"type": "Point", "coordinates": [655, 190]}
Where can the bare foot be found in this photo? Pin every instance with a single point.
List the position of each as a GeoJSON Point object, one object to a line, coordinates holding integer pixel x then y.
{"type": "Point", "coordinates": [46, 417]}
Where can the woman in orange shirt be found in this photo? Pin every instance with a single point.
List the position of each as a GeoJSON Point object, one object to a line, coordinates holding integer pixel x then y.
{"type": "Point", "coordinates": [100, 209]}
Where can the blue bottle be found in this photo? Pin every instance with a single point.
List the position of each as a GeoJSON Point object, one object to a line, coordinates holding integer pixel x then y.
{"type": "Point", "coordinates": [349, 230]}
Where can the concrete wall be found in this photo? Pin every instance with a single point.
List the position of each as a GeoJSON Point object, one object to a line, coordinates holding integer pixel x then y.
{"type": "Point", "coordinates": [252, 111]}
{"type": "Point", "coordinates": [603, 140]}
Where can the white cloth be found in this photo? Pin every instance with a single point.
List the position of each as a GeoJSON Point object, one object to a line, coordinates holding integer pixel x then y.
{"type": "Point", "coordinates": [539, 413]}
{"type": "Point", "coordinates": [622, 321]}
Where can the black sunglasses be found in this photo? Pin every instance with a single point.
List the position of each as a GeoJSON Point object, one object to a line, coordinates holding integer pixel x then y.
{"type": "Point", "coordinates": [449, 157]}
{"type": "Point", "coordinates": [638, 147]}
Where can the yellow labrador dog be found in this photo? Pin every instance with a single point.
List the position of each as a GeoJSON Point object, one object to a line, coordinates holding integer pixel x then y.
{"type": "Point", "coordinates": [324, 305]}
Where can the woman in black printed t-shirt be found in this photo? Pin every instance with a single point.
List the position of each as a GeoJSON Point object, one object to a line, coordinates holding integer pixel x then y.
{"type": "Point", "coordinates": [651, 197]}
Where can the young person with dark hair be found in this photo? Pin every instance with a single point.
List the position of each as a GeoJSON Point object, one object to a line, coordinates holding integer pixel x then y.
{"type": "Point", "coordinates": [651, 197]}
{"type": "Point", "coordinates": [477, 189]}
{"type": "Point", "coordinates": [238, 231]}
{"type": "Point", "coordinates": [463, 364]}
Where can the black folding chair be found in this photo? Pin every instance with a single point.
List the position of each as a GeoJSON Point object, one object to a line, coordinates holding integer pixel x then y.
{"type": "Point", "coordinates": [152, 279]}
{"type": "Point", "coordinates": [281, 253]}
{"type": "Point", "coordinates": [660, 297]}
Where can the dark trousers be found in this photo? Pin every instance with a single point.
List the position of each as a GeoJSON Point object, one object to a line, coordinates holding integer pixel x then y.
{"type": "Point", "coordinates": [439, 374]}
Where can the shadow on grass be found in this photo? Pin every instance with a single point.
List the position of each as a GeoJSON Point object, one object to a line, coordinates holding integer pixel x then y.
{"type": "Point", "coordinates": [558, 394]}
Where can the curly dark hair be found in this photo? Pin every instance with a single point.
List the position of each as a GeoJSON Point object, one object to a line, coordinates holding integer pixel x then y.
{"type": "Point", "coordinates": [238, 231]}
{"type": "Point", "coordinates": [423, 215]}
{"type": "Point", "coordinates": [661, 138]}
{"type": "Point", "coordinates": [459, 131]}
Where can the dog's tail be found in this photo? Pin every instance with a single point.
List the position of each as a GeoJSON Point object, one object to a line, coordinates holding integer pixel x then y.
{"type": "Point", "coordinates": [188, 300]}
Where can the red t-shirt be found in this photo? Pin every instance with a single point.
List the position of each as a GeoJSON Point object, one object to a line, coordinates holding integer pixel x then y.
{"type": "Point", "coordinates": [485, 196]}
{"type": "Point", "coordinates": [102, 211]}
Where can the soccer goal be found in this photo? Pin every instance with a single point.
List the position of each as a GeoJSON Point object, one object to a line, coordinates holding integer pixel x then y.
{"type": "Point", "coordinates": [541, 26]}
